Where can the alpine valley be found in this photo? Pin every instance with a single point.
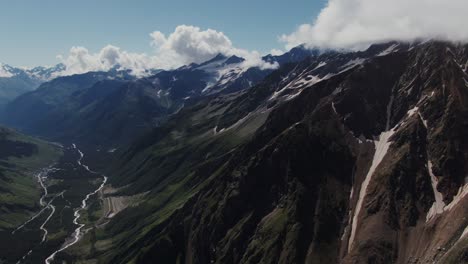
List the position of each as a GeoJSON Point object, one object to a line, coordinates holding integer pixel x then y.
{"type": "Point", "coordinates": [332, 157]}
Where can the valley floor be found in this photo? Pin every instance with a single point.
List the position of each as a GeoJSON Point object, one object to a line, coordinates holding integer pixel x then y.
{"type": "Point", "coordinates": [70, 206]}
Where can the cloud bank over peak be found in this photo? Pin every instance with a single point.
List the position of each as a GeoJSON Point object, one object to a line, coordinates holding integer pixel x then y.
{"type": "Point", "coordinates": [80, 60]}
{"type": "Point", "coordinates": [190, 44]}
{"type": "Point", "coordinates": [358, 23]}
{"type": "Point", "coordinates": [187, 44]}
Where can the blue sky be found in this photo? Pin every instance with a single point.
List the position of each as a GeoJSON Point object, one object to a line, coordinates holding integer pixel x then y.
{"type": "Point", "coordinates": [34, 32]}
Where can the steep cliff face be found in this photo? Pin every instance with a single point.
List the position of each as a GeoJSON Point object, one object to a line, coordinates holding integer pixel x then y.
{"type": "Point", "coordinates": [413, 206]}
{"type": "Point", "coordinates": [341, 158]}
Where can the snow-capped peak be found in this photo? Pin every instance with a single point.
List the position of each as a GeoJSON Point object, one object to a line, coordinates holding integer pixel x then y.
{"type": "Point", "coordinates": [39, 73]}
{"type": "Point", "coordinates": [4, 71]}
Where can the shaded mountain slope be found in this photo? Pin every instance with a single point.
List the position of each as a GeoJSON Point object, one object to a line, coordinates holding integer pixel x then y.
{"type": "Point", "coordinates": [28, 109]}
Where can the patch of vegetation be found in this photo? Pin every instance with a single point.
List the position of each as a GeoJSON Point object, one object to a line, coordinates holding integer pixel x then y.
{"type": "Point", "coordinates": [20, 157]}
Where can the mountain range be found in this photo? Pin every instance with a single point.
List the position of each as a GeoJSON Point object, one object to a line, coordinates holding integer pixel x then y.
{"type": "Point", "coordinates": [333, 157]}
{"type": "Point", "coordinates": [109, 108]}
{"type": "Point", "coordinates": [16, 81]}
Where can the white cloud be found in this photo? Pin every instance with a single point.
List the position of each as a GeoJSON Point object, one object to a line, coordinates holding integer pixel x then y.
{"type": "Point", "coordinates": [276, 52]}
{"type": "Point", "coordinates": [80, 60]}
{"type": "Point", "coordinates": [185, 45]}
{"type": "Point", "coordinates": [357, 23]}
{"type": "Point", "coordinates": [190, 44]}
{"type": "Point", "coordinates": [254, 59]}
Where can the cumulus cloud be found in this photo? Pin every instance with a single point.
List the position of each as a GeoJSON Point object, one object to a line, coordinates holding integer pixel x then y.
{"type": "Point", "coordinates": [357, 23]}
{"type": "Point", "coordinates": [111, 56]}
{"type": "Point", "coordinates": [254, 59]}
{"type": "Point", "coordinates": [276, 52]}
{"type": "Point", "coordinates": [187, 44]}
{"type": "Point", "coordinates": [80, 60]}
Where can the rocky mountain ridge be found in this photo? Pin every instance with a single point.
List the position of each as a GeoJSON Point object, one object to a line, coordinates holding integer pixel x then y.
{"type": "Point", "coordinates": [340, 158]}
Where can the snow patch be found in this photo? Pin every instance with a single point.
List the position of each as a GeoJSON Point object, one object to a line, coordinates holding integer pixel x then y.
{"type": "Point", "coordinates": [389, 50]}
{"type": "Point", "coordinates": [4, 73]}
{"type": "Point", "coordinates": [334, 108]}
{"type": "Point", "coordinates": [438, 205]}
{"type": "Point", "coordinates": [303, 82]}
{"type": "Point", "coordinates": [238, 123]}
{"type": "Point", "coordinates": [308, 80]}
{"type": "Point", "coordinates": [462, 192]}
{"type": "Point", "coordinates": [381, 147]}
{"type": "Point", "coordinates": [424, 121]}
{"type": "Point", "coordinates": [464, 234]}
{"type": "Point", "coordinates": [412, 111]}
{"type": "Point", "coordinates": [320, 65]}
{"type": "Point", "coordinates": [289, 97]}
{"type": "Point", "coordinates": [352, 63]}
{"type": "Point", "coordinates": [224, 77]}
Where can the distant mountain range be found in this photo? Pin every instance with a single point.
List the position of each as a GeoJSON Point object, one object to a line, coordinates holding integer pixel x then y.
{"type": "Point", "coordinates": [37, 73]}
{"type": "Point", "coordinates": [16, 81]}
{"type": "Point", "coordinates": [92, 108]}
